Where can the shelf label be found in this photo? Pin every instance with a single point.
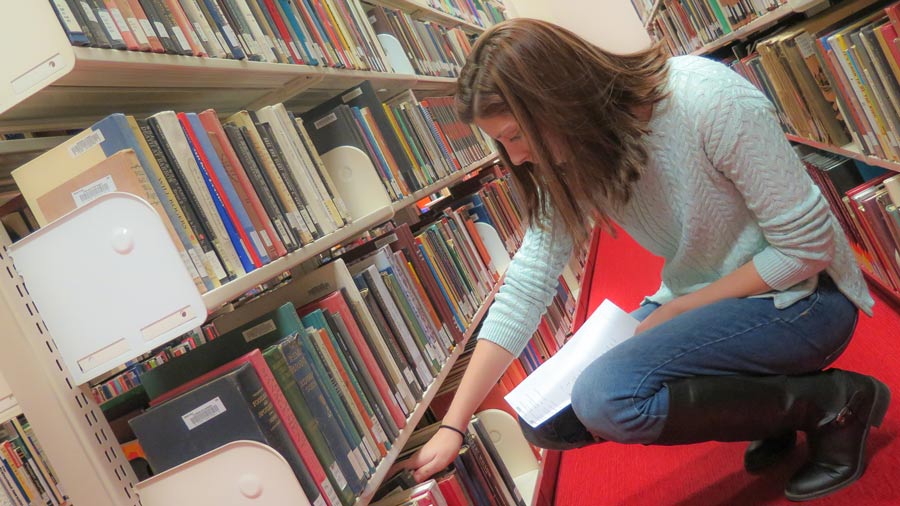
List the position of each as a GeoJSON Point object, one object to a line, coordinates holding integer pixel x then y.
{"type": "Point", "coordinates": [203, 413]}
{"type": "Point", "coordinates": [259, 330]}
{"type": "Point", "coordinates": [350, 95]}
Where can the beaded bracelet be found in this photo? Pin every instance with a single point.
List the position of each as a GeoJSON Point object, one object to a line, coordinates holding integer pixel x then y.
{"type": "Point", "coordinates": [454, 429]}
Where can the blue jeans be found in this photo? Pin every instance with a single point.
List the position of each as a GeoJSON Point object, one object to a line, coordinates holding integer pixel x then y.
{"type": "Point", "coordinates": [622, 395]}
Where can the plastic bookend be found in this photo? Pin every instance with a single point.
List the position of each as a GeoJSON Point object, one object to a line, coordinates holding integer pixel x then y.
{"type": "Point", "coordinates": [395, 54]}
{"type": "Point", "coordinates": [494, 245]}
{"type": "Point", "coordinates": [514, 450]}
{"type": "Point", "coordinates": [109, 283]}
{"type": "Point", "coordinates": [241, 473]}
{"type": "Point", "coordinates": [356, 180]}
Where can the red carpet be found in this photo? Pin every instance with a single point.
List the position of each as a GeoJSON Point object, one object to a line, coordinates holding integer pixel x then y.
{"type": "Point", "coordinates": [712, 473]}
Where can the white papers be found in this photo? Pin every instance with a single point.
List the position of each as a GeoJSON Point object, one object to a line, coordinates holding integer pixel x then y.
{"type": "Point", "coordinates": [548, 389]}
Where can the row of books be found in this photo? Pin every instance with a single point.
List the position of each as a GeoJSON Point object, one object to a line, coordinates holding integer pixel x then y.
{"type": "Point", "coordinates": [867, 210]}
{"type": "Point", "coordinates": [477, 12]}
{"type": "Point", "coordinates": [239, 193]}
{"type": "Point", "coordinates": [343, 354]}
{"type": "Point", "coordinates": [417, 40]}
{"type": "Point", "coordinates": [26, 477]}
{"type": "Point", "coordinates": [332, 33]}
{"type": "Point", "coordinates": [688, 25]}
{"type": "Point", "coordinates": [834, 77]}
{"type": "Point", "coordinates": [234, 196]}
{"type": "Point", "coordinates": [478, 475]}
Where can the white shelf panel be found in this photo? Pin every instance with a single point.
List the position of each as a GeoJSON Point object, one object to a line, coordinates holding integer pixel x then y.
{"type": "Point", "coordinates": [387, 462]}
{"type": "Point", "coordinates": [758, 24]}
{"type": "Point", "coordinates": [850, 151]}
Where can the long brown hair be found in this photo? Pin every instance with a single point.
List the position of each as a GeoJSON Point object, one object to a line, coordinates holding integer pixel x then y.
{"type": "Point", "coordinates": [565, 92]}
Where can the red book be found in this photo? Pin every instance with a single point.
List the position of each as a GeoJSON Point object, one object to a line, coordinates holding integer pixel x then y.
{"type": "Point", "coordinates": [187, 30]}
{"type": "Point", "coordinates": [115, 16]}
{"type": "Point", "coordinates": [242, 184]}
{"type": "Point", "coordinates": [217, 185]}
{"type": "Point", "coordinates": [335, 303]}
{"type": "Point", "coordinates": [282, 409]}
{"type": "Point", "coordinates": [284, 32]}
{"type": "Point", "coordinates": [584, 295]}
{"type": "Point", "coordinates": [141, 16]}
{"type": "Point", "coordinates": [452, 490]}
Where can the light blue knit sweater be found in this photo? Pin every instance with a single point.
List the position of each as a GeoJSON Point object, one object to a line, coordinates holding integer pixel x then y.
{"type": "Point", "coordinates": [723, 187]}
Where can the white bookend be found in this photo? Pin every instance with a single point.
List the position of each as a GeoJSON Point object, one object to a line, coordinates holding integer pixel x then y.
{"type": "Point", "coordinates": [352, 172]}
{"type": "Point", "coordinates": [109, 283]}
{"type": "Point", "coordinates": [241, 473]}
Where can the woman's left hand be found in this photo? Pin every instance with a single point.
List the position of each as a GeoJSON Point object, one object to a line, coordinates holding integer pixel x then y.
{"type": "Point", "coordinates": [663, 314]}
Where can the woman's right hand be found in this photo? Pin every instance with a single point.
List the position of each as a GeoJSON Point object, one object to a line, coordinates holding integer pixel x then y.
{"type": "Point", "coordinates": [437, 454]}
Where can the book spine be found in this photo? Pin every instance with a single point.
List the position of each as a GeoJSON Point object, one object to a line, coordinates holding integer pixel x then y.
{"type": "Point", "coordinates": [209, 260]}
{"type": "Point", "coordinates": [274, 356]}
{"type": "Point", "coordinates": [270, 205]}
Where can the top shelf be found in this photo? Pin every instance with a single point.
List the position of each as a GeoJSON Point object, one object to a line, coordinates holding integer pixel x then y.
{"type": "Point", "coordinates": [760, 23]}
{"type": "Point", "coordinates": [421, 11]}
{"type": "Point", "coordinates": [50, 85]}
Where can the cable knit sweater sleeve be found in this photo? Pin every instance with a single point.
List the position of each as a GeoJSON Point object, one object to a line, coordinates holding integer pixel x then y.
{"type": "Point", "coordinates": [528, 288]}
{"type": "Point", "coordinates": [744, 141]}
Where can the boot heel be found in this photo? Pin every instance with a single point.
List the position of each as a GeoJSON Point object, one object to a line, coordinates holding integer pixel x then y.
{"type": "Point", "coordinates": [880, 405]}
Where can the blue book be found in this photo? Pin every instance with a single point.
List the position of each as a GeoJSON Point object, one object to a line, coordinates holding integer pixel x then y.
{"type": "Point", "coordinates": [228, 186]}
{"type": "Point", "coordinates": [333, 399]}
{"type": "Point", "coordinates": [221, 22]}
{"type": "Point", "coordinates": [230, 226]}
{"type": "Point", "coordinates": [316, 320]}
{"type": "Point", "coordinates": [326, 421]}
{"type": "Point", "coordinates": [288, 9]}
{"type": "Point", "coordinates": [70, 24]}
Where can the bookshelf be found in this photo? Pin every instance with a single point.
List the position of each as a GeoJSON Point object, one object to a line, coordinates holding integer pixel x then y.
{"type": "Point", "coordinates": [761, 23]}
{"type": "Point", "coordinates": [51, 85]}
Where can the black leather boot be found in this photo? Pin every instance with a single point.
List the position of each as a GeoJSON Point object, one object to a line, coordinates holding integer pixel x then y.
{"type": "Point", "coordinates": [837, 443]}
{"type": "Point", "coordinates": [564, 431]}
{"type": "Point", "coordinates": [764, 453]}
{"type": "Point", "coordinates": [835, 408]}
